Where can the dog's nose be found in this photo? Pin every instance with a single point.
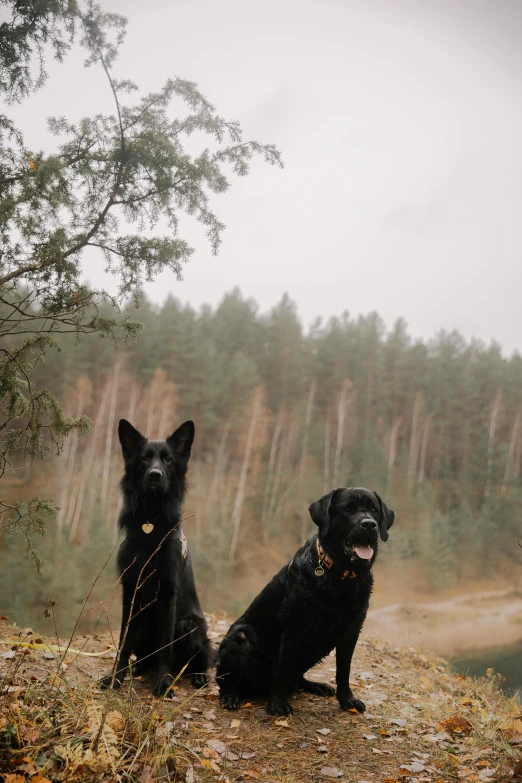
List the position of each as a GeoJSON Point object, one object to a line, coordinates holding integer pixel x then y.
{"type": "Point", "coordinates": [369, 524]}
{"type": "Point", "coordinates": [155, 475]}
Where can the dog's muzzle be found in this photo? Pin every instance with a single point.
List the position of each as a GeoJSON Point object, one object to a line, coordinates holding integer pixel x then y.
{"type": "Point", "coordinates": [365, 549]}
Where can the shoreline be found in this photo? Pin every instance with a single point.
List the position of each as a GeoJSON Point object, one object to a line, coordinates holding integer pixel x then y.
{"type": "Point", "coordinates": [460, 626]}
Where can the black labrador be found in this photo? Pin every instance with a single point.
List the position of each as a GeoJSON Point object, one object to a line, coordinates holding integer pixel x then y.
{"type": "Point", "coordinates": [318, 601]}
{"type": "Point", "coordinates": [162, 620]}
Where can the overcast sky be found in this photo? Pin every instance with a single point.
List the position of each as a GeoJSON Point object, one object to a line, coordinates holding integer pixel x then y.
{"type": "Point", "coordinates": [400, 123]}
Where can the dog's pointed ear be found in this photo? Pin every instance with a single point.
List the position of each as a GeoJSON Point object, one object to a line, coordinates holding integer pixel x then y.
{"type": "Point", "coordinates": [181, 440]}
{"type": "Point", "coordinates": [129, 437]}
{"type": "Point", "coordinates": [386, 518]}
{"type": "Point", "coordinates": [320, 512]}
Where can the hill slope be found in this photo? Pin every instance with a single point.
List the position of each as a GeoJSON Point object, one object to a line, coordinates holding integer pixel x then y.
{"type": "Point", "coordinates": [423, 723]}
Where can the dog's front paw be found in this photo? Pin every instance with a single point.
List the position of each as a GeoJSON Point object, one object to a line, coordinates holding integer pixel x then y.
{"type": "Point", "coordinates": [352, 704]}
{"type": "Point", "coordinates": [163, 686]}
{"type": "Point", "coordinates": [230, 701]}
{"type": "Point", "coordinates": [199, 679]}
{"type": "Point", "coordinates": [106, 682]}
{"type": "Point", "coordinates": [318, 688]}
{"type": "Point", "coordinates": [279, 707]}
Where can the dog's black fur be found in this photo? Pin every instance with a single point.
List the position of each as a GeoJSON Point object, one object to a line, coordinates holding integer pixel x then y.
{"type": "Point", "coordinates": [300, 616]}
{"type": "Point", "coordinates": [167, 629]}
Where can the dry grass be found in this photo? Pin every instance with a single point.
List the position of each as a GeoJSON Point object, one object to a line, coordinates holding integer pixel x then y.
{"type": "Point", "coordinates": [56, 725]}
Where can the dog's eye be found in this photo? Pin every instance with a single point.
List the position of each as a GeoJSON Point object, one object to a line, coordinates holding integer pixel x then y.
{"type": "Point", "coordinates": [144, 458]}
{"type": "Point", "coordinates": [167, 458]}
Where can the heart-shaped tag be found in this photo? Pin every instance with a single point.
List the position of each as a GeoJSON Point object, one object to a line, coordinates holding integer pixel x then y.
{"type": "Point", "coordinates": [147, 527]}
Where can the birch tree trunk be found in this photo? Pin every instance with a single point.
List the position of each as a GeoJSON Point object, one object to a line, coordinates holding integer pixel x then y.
{"type": "Point", "coordinates": [108, 440]}
{"type": "Point", "coordinates": [491, 438]}
{"type": "Point", "coordinates": [341, 415]}
{"type": "Point", "coordinates": [424, 448]}
{"type": "Point", "coordinates": [88, 462]}
{"type": "Point", "coordinates": [512, 446]}
{"type": "Point", "coordinates": [392, 453]}
{"type": "Point", "coordinates": [412, 461]}
{"type": "Point", "coordinates": [327, 447]}
{"type": "Point", "coordinates": [304, 452]}
{"type": "Point", "coordinates": [219, 469]}
{"type": "Point", "coordinates": [270, 474]}
{"type": "Point", "coordinates": [238, 505]}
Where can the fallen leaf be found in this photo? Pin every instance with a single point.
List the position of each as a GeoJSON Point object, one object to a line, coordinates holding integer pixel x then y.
{"type": "Point", "coordinates": [517, 772]}
{"type": "Point", "coordinates": [11, 778]}
{"type": "Point", "coordinates": [370, 736]}
{"type": "Point", "coordinates": [217, 745]}
{"type": "Point", "coordinates": [115, 720]}
{"type": "Point", "coordinates": [416, 766]}
{"type": "Point", "coordinates": [234, 724]}
{"type": "Point", "coordinates": [456, 725]}
{"type": "Point", "coordinates": [325, 732]}
{"type": "Point", "coordinates": [39, 779]}
{"type": "Point", "coordinates": [331, 772]}
{"type": "Point", "coordinates": [282, 722]}
{"type": "Point", "coordinates": [426, 682]}
{"type": "Point", "coordinates": [384, 733]}
{"type": "Point", "coordinates": [8, 654]}
{"type": "Point", "coordinates": [210, 764]}
{"type": "Point", "coordinates": [322, 749]}
{"type": "Point", "coordinates": [398, 721]}
{"type": "Point", "coordinates": [189, 774]}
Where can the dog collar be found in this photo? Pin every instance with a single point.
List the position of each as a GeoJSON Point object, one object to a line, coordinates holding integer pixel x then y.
{"type": "Point", "coordinates": [325, 561]}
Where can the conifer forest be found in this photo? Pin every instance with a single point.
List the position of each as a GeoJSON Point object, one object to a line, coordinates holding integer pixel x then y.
{"type": "Point", "coordinates": [282, 414]}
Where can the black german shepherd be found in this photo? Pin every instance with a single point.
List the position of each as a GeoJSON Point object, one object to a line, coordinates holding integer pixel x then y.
{"type": "Point", "coordinates": [162, 621]}
{"type": "Point", "coordinates": [317, 602]}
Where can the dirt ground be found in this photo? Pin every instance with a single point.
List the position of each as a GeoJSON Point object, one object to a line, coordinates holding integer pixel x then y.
{"type": "Point", "coordinates": [467, 622]}
{"type": "Point", "coordinates": [423, 723]}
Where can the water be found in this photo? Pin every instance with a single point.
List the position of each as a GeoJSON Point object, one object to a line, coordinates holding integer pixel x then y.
{"type": "Point", "coordinates": [507, 661]}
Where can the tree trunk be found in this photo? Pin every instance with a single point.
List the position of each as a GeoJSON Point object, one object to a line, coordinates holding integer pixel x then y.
{"type": "Point", "coordinates": [66, 499]}
{"type": "Point", "coordinates": [238, 505]}
{"type": "Point", "coordinates": [304, 452]}
{"type": "Point", "coordinates": [108, 441]}
{"type": "Point", "coordinates": [340, 431]}
{"type": "Point", "coordinates": [412, 461]}
{"type": "Point", "coordinates": [88, 462]}
{"type": "Point", "coordinates": [424, 447]}
{"type": "Point", "coordinates": [327, 447]}
{"type": "Point", "coordinates": [219, 469]}
{"type": "Point", "coordinates": [270, 474]}
{"type": "Point", "coordinates": [512, 447]}
{"type": "Point", "coordinates": [392, 453]}
{"type": "Point", "coordinates": [492, 427]}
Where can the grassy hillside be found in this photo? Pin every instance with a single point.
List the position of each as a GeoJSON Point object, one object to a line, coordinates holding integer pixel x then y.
{"type": "Point", "coordinates": [423, 723]}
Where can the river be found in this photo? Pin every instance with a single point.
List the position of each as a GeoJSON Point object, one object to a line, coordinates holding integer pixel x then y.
{"type": "Point", "coordinates": [507, 661]}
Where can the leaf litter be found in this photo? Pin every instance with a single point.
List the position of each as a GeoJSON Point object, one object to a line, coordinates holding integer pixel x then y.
{"type": "Point", "coordinates": [423, 724]}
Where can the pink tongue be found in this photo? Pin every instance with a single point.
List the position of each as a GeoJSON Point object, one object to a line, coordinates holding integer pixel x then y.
{"type": "Point", "coordinates": [364, 552]}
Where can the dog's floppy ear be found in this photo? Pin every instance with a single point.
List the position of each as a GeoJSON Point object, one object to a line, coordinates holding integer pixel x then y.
{"type": "Point", "coordinates": [386, 518]}
{"type": "Point", "coordinates": [320, 512]}
{"type": "Point", "coordinates": [129, 437]}
{"type": "Point", "coordinates": [181, 440]}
